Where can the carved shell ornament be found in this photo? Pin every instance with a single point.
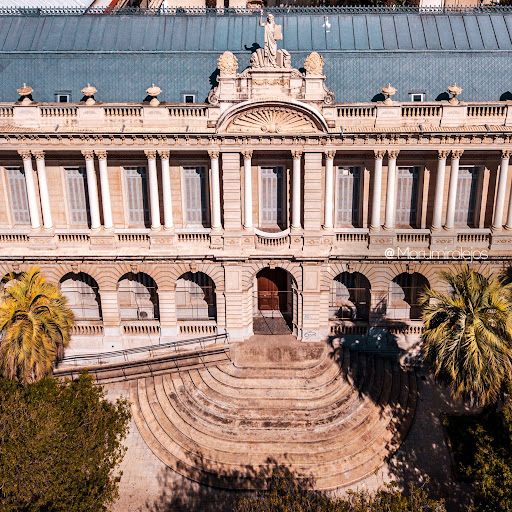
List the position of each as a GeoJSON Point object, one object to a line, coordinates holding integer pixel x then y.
{"type": "Point", "coordinates": [314, 64]}
{"type": "Point", "coordinates": [227, 64]}
{"type": "Point", "coordinates": [272, 120]}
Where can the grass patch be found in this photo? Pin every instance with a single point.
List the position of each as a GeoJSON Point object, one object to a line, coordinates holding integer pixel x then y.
{"type": "Point", "coordinates": [460, 430]}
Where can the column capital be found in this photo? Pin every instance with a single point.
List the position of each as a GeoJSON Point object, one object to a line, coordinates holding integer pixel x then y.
{"type": "Point", "coordinates": [329, 154]}
{"type": "Point", "coordinates": [297, 154]}
{"type": "Point", "coordinates": [25, 154]}
{"type": "Point", "coordinates": [457, 153]}
{"type": "Point", "coordinates": [214, 154]}
{"type": "Point", "coordinates": [164, 154]}
{"type": "Point", "coordinates": [88, 154]}
{"type": "Point", "coordinates": [247, 154]}
{"type": "Point", "coordinates": [393, 153]}
{"type": "Point", "coordinates": [150, 154]}
{"type": "Point", "coordinates": [506, 153]}
{"type": "Point", "coordinates": [379, 153]}
{"type": "Point", "coordinates": [442, 154]}
{"type": "Point", "coordinates": [101, 154]}
{"type": "Point", "coordinates": [38, 155]}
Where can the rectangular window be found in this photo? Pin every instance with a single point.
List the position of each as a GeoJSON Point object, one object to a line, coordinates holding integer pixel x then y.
{"type": "Point", "coordinates": [137, 195]}
{"type": "Point", "coordinates": [19, 198]}
{"type": "Point", "coordinates": [348, 196]}
{"type": "Point", "coordinates": [77, 195]}
{"type": "Point", "coordinates": [417, 96]}
{"type": "Point", "coordinates": [407, 196]}
{"type": "Point", "coordinates": [196, 196]}
{"type": "Point", "coordinates": [466, 196]}
{"type": "Point", "coordinates": [271, 195]}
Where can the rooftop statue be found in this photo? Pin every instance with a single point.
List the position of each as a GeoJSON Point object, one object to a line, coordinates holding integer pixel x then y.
{"type": "Point", "coordinates": [273, 33]}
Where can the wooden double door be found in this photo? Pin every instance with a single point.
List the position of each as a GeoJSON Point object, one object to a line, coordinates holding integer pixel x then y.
{"type": "Point", "coordinates": [273, 290]}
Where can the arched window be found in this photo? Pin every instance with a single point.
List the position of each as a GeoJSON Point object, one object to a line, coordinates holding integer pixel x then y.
{"type": "Point", "coordinates": [350, 297]}
{"type": "Point", "coordinates": [137, 296]}
{"type": "Point", "coordinates": [405, 292]}
{"type": "Point", "coordinates": [83, 295]}
{"type": "Point", "coordinates": [195, 297]}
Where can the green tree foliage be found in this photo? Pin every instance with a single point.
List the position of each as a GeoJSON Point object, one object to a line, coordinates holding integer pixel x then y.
{"type": "Point", "coordinates": [288, 494]}
{"type": "Point", "coordinates": [492, 469]}
{"type": "Point", "coordinates": [35, 325]}
{"type": "Point", "coordinates": [60, 444]}
{"type": "Point", "coordinates": [467, 335]}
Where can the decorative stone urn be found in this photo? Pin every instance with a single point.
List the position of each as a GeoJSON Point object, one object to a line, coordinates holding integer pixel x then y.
{"type": "Point", "coordinates": [89, 93]}
{"type": "Point", "coordinates": [25, 92]}
{"type": "Point", "coordinates": [388, 91]}
{"type": "Point", "coordinates": [154, 91]}
{"type": "Point", "coordinates": [454, 90]}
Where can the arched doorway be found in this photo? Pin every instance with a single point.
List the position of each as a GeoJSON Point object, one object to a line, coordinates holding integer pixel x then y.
{"type": "Point", "coordinates": [274, 302]}
{"type": "Point", "coordinates": [405, 296]}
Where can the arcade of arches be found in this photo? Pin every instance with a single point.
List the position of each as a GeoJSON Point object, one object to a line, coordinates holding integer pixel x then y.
{"type": "Point", "coordinates": [134, 305]}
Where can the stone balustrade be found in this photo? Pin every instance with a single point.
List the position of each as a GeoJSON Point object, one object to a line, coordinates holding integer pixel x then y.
{"type": "Point", "coordinates": [203, 117]}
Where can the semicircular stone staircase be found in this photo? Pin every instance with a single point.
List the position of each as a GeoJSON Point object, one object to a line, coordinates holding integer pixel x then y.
{"type": "Point", "coordinates": [329, 416]}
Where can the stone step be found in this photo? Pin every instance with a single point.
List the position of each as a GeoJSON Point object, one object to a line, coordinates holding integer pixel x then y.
{"type": "Point", "coordinates": [334, 420]}
{"type": "Point", "coordinates": [254, 430]}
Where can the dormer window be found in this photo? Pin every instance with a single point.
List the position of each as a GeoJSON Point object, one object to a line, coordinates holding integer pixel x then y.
{"type": "Point", "coordinates": [63, 96]}
{"type": "Point", "coordinates": [417, 96]}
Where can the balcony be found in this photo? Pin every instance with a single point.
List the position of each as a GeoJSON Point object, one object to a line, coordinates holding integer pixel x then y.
{"type": "Point", "coordinates": [140, 327]}
{"type": "Point", "coordinates": [272, 241]}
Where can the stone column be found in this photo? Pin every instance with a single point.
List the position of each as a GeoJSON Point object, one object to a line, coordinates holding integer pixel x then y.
{"type": "Point", "coordinates": [452, 190]}
{"type": "Point", "coordinates": [389, 220]}
{"type": "Point", "coordinates": [437, 218]}
{"type": "Point", "coordinates": [216, 215]}
{"type": "Point", "coordinates": [377, 189]}
{"type": "Point", "coordinates": [43, 189]}
{"type": "Point", "coordinates": [154, 200]}
{"type": "Point", "coordinates": [166, 189]}
{"type": "Point", "coordinates": [497, 223]}
{"type": "Point", "coordinates": [92, 189]}
{"type": "Point", "coordinates": [105, 190]}
{"type": "Point", "coordinates": [329, 189]}
{"type": "Point", "coordinates": [247, 154]}
{"type": "Point", "coordinates": [33, 207]}
{"type": "Point", "coordinates": [296, 188]}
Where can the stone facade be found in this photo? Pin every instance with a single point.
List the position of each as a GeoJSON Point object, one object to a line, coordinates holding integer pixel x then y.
{"type": "Point", "coordinates": [261, 118]}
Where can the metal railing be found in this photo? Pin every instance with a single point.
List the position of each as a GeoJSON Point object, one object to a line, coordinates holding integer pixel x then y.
{"type": "Point", "coordinates": [288, 7]}
{"type": "Point", "coordinates": [151, 349]}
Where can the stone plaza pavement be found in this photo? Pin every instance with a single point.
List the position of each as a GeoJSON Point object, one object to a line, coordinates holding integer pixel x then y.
{"type": "Point", "coordinates": [147, 484]}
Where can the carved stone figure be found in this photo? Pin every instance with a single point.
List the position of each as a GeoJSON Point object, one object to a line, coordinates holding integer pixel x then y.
{"type": "Point", "coordinates": [314, 64]}
{"type": "Point", "coordinates": [227, 64]}
{"type": "Point", "coordinates": [273, 33]}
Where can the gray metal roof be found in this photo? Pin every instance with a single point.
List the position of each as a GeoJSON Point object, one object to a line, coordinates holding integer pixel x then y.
{"type": "Point", "coordinates": [320, 32]}
{"type": "Point", "coordinates": [122, 55]}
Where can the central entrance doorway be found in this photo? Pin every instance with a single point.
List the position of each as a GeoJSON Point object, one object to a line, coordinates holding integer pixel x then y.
{"type": "Point", "coordinates": [273, 302]}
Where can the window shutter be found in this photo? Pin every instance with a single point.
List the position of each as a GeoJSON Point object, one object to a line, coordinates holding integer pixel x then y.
{"type": "Point", "coordinates": [407, 196]}
{"type": "Point", "coordinates": [466, 196]}
{"type": "Point", "coordinates": [348, 196]}
{"type": "Point", "coordinates": [196, 199]}
{"type": "Point", "coordinates": [271, 195]}
{"type": "Point", "coordinates": [137, 195]}
{"type": "Point", "coordinates": [19, 198]}
{"type": "Point", "coordinates": [77, 194]}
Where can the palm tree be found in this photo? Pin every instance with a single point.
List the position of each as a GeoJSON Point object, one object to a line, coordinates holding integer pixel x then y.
{"type": "Point", "coordinates": [467, 335]}
{"type": "Point", "coordinates": [35, 327]}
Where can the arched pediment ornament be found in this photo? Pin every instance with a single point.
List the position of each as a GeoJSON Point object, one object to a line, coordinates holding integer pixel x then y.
{"type": "Point", "coordinates": [270, 119]}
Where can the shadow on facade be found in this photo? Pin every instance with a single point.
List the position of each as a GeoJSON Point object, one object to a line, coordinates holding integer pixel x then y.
{"type": "Point", "coordinates": [183, 495]}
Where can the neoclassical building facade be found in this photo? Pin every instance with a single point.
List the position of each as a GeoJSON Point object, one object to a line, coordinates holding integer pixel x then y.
{"type": "Point", "coordinates": [269, 208]}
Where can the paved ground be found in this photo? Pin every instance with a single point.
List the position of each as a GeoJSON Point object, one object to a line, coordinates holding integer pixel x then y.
{"type": "Point", "coordinates": [148, 485]}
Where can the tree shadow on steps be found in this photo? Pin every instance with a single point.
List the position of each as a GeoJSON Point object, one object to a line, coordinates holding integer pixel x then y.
{"type": "Point", "coordinates": [179, 494]}
{"type": "Point", "coordinates": [366, 359]}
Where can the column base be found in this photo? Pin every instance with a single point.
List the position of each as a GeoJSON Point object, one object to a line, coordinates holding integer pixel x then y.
{"type": "Point", "coordinates": [379, 239]}
{"type": "Point", "coordinates": [162, 239]}
{"type": "Point", "coordinates": [41, 240]}
{"type": "Point", "coordinates": [501, 240]}
{"type": "Point", "coordinates": [443, 239]}
{"type": "Point", "coordinates": [102, 239]}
